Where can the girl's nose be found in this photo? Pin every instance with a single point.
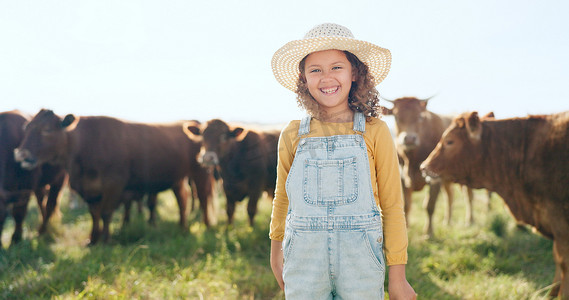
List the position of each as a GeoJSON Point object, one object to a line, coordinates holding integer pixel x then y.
{"type": "Point", "coordinates": [326, 75]}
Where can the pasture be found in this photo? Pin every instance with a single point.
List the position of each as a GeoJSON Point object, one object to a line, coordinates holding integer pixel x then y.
{"type": "Point", "coordinates": [492, 259]}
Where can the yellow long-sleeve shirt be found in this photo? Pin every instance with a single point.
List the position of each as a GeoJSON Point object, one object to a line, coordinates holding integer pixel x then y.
{"type": "Point", "coordinates": [385, 178]}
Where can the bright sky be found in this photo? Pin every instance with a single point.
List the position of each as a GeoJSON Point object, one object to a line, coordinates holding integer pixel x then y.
{"type": "Point", "coordinates": [160, 61]}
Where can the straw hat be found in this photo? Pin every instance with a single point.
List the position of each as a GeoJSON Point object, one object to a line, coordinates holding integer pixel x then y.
{"type": "Point", "coordinates": [325, 37]}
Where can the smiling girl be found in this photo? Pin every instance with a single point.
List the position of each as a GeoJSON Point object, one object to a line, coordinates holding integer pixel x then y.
{"type": "Point", "coordinates": [338, 203]}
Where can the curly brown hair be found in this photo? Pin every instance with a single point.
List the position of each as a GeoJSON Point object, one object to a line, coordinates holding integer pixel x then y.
{"type": "Point", "coordinates": [363, 96]}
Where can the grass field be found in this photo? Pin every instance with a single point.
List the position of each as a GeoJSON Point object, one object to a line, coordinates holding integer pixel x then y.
{"type": "Point", "coordinates": [492, 259]}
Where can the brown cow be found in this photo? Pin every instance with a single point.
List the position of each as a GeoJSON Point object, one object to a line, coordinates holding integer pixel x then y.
{"type": "Point", "coordinates": [17, 184]}
{"type": "Point", "coordinates": [106, 158]}
{"type": "Point", "coordinates": [247, 161]}
{"type": "Point", "coordinates": [418, 131]}
{"type": "Point", "coordinates": [526, 161]}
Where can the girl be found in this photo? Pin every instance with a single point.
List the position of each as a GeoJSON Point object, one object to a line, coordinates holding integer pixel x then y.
{"type": "Point", "coordinates": [338, 187]}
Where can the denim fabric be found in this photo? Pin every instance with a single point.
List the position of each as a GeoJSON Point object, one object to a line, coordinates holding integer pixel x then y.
{"type": "Point", "coordinates": [333, 243]}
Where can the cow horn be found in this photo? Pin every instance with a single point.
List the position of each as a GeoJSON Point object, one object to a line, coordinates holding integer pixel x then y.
{"type": "Point", "coordinates": [385, 99]}
{"type": "Point", "coordinates": [427, 99]}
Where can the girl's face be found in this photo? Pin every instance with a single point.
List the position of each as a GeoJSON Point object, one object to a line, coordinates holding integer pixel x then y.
{"type": "Point", "coordinates": [329, 78]}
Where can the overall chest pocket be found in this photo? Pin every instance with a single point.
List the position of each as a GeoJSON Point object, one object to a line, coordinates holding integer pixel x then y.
{"type": "Point", "coordinates": [330, 181]}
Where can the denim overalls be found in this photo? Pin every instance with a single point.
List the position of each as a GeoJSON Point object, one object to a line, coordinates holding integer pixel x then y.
{"type": "Point", "coordinates": [333, 236]}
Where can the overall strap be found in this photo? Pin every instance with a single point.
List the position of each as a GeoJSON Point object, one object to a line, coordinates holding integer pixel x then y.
{"type": "Point", "coordinates": [359, 122]}
{"type": "Point", "coordinates": [304, 128]}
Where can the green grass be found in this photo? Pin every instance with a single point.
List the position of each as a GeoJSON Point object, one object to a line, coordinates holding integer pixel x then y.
{"type": "Point", "coordinates": [492, 259]}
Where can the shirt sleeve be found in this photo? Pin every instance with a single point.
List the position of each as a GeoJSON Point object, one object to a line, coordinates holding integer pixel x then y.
{"type": "Point", "coordinates": [390, 197]}
{"type": "Point", "coordinates": [286, 151]}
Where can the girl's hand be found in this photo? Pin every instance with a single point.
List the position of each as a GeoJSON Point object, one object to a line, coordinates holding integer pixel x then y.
{"type": "Point", "coordinates": [277, 261]}
{"type": "Point", "coordinates": [398, 287]}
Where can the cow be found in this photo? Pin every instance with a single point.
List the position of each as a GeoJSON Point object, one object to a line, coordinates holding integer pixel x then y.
{"type": "Point", "coordinates": [17, 184]}
{"type": "Point", "coordinates": [246, 160]}
{"type": "Point", "coordinates": [418, 130]}
{"type": "Point", "coordinates": [525, 161]}
{"type": "Point", "coordinates": [111, 161]}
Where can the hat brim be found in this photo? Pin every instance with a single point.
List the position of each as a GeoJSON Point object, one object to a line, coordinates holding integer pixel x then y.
{"type": "Point", "coordinates": [286, 60]}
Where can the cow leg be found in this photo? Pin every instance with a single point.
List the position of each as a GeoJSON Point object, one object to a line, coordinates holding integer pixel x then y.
{"type": "Point", "coordinates": [230, 211]}
{"type": "Point", "coordinates": [111, 200]}
{"type": "Point", "coordinates": [128, 198]}
{"type": "Point", "coordinates": [193, 194]}
{"type": "Point", "coordinates": [560, 227]}
{"type": "Point", "coordinates": [450, 199]}
{"type": "Point", "coordinates": [270, 193]}
{"type": "Point", "coordinates": [3, 214]}
{"type": "Point", "coordinates": [429, 205]}
{"type": "Point", "coordinates": [126, 215]}
{"type": "Point", "coordinates": [40, 197]}
{"type": "Point", "coordinates": [107, 216]}
{"type": "Point", "coordinates": [557, 278]}
{"type": "Point", "coordinates": [95, 211]}
{"type": "Point", "coordinates": [19, 210]}
{"type": "Point", "coordinates": [252, 206]}
{"type": "Point", "coordinates": [233, 196]}
{"type": "Point", "coordinates": [232, 199]}
{"type": "Point", "coordinates": [468, 197]}
{"type": "Point", "coordinates": [151, 203]}
{"type": "Point", "coordinates": [202, 183]}
{"type": "Point", "coordinates": [52, 204]}
{"type": "Point", "coordinates": [561, 257]}
{"type": "Point", "coordinates": [139, 204]}
{"type": "Point", "coordinates": [407, 197]}
{"type": "Point", "coordinates": [488, 200]}
{"type": "Point", "coordinates": [181, 193]}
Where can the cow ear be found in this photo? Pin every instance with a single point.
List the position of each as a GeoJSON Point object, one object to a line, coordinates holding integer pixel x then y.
{"type": "Point", "coordinates": [459, 122]}
{"type": "Point", "coordinates": [489, 115]}
{"type": "Point", "coordinates": [191, 129]}
{"type": "Point", "coordinates": [69, 122]}
{"type": "Point", "coordinates": [474, 127]}
{"type": "Point", "coordinates": [237, 133]}
{"type": "Point", "coordinates": [386, 111]}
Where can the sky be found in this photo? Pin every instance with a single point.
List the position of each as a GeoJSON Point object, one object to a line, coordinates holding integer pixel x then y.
{"type": "Point", "coordinates": [162, 61]}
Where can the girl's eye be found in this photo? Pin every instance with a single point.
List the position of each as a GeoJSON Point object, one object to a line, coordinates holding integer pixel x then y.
{"type": "Point", "coordinates": [314, 71]}
{"type": "Point", "coordinates": [336, 68]}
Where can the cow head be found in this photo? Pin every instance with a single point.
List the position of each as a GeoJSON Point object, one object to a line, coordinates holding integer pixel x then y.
{"type": "Point", "coordinates": [459, 152]}
{"type": "Point", "coordinates": [409, 113]}
{"type": "Point", "coordinates": [45, 139]}
{"type": "Point", "coordinates": [217, 140]}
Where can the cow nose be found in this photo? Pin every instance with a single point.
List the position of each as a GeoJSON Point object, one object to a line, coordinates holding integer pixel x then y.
{"type": "Point", "coordinates": [429, 175]}
{"type": "Point", "coordinates": [423, 167]}
{"type": "Point", "coordinates": [25, 158]}
{"type": "Point", "coordinates": [209, 158]}
{"type": "Point", "coordinates": [21, 154]}
{"type": "Point", "coordinates": [410, 140]}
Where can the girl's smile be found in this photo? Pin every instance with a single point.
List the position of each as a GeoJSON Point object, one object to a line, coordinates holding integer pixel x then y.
{"type": "Point", "coordinates": [329, 90]}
